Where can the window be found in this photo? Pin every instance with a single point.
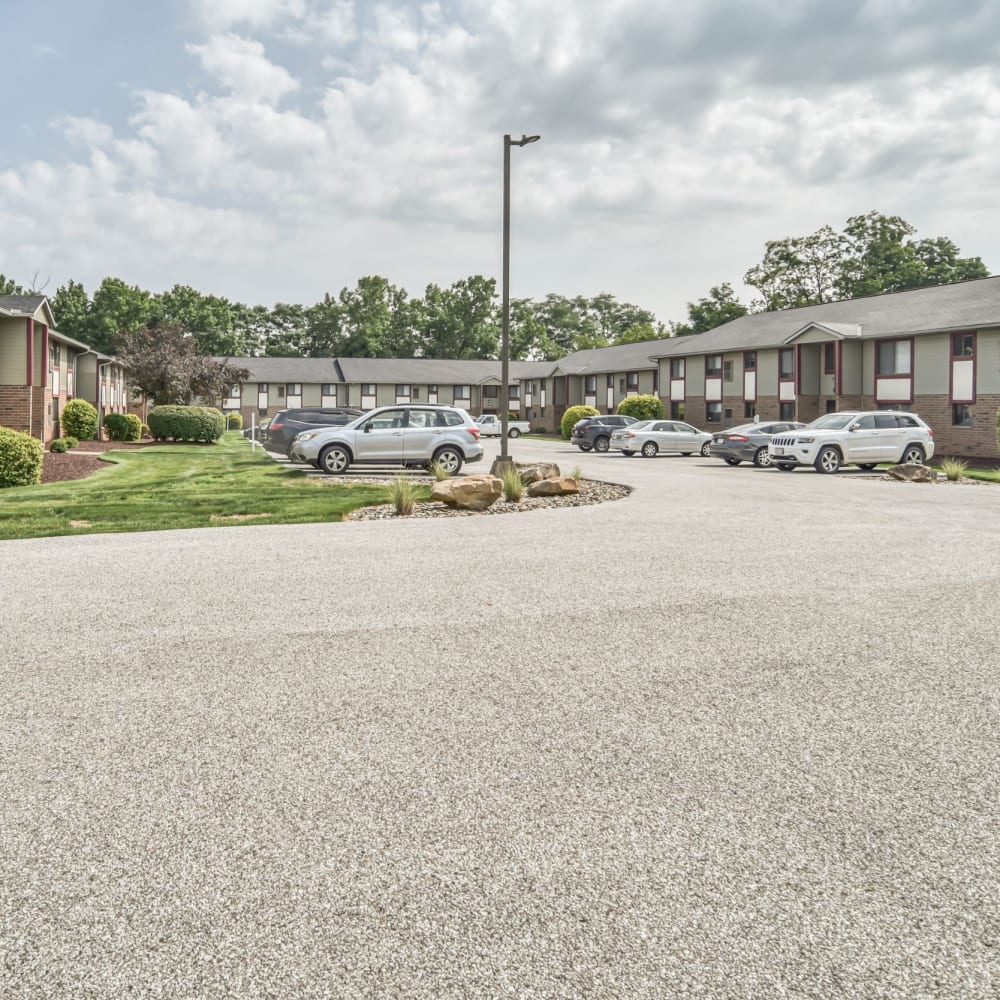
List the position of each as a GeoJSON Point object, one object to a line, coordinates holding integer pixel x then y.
{"type": "Point", "coordinates": [786, 365]}
{"type": "Point", "coordinates": [491, 392]}
{"type": "Point", "coordinates": [961, 415]}
{"type": "Point", "coordinates": [677, 411]}
{"type": "Point", "coordinates": [367, 388]}
{"type": "Point", "coordinates": [281, 391]}
{"type": "Point", "coordinates": [294, 388]}
{"type": "Point", "coordinates": [886, 421]}
{"type": "Point", "coordinates": [262, 387]}
{"type": "Point", "coordinates": [713, 413]}
{"type": "Point", "coordinates": [463, 392]}
{"type": "Point", "coordinates": [894, 357]}
{"type": "Point", "coordinates": [749, 361]}
{"type": "Point", "coordinates": [632, 381]}
{"type": "Point", "coordinates": [402, 389]}
{"type": "Point", "coordinates": [415, 392]}
{"type": "Point", "coordinates": [422, 418]}
{"type": "Point", "coordinates": [590, 384]}
{"type": "Point", "coordinates": [830, 358]}
{"type": "Point", "coordinates": [831, 406]}
{"type": "Point", "coordinates": [727, 371]}
{"type": "Point", "coordinates": [677, 368]}
{"type": "Point", "coordinates": [729, 414]}
{"type": "Point", "coordinates": [610, 381]}
{"type": "Point", "coordinates": [749, 411]}
{"type": "Point", "coordinates": [621, 386]}
{"type": "Point", "coordinates": [786, 411]}
{"type": "Point", "coordinates": [656, 381]}
{"type": "Point", "coordinates": [713, 365]}
{"type": "Point", "coordinates": [234, 392]}
{"type": "Point", "coordinates": [514, 392]}
{"type": "Point", "coordinates": [53, 355]}
{"type": "Point", "coordinates": [329, 389]}
{"type": "Point", "coordinates": [963, 345]}
{"type": "Point", "coordinates": [432, 389]}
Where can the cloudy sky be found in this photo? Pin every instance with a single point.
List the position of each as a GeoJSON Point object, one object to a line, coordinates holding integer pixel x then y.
{"type": "Point", "coordinates": [273, 150]}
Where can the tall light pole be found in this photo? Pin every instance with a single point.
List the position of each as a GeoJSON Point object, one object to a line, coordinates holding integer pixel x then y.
{"type": "Point", "coordinates": [504, 458]}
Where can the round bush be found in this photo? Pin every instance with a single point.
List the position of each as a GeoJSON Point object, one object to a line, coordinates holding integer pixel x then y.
{"type": "Point", "coordinates": [572, 415]}
{"type": "Point", "coordinates": [20, 459]}
{"type": "Point", "coordinates": [79, 418]}
{"type": "Point", "coordinates": [234, 422]}
{"type": "Point", "coordinates": [642, 407]}
{"type": "Point", "coordinates": [186, 423]}
{"type": "Point", "coordinates": [116, 424]}
{"type": "Point", "coordinates": [71, 442]}
{"type": "Point", "coordinates": [135, 426]}
{"type": "Point", "coordinates": [58, 446]}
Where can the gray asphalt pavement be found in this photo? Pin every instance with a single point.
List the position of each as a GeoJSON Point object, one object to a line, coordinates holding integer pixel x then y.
{"type": "Point", "coordinates": [734, 736]}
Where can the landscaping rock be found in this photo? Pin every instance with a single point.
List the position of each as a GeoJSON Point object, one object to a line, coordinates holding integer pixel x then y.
{"type": "Point", "coordinates": [912, 474]}
{"type": "Point", "coordinates": [468, 492]}
{"type": "Point", "coordinates": [536, 473]}
{"type": "Point", "coordinates": [556, 487]}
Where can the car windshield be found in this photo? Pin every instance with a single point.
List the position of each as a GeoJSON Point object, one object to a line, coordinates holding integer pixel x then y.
{"type": "Point", "coordinates": [832, 421]}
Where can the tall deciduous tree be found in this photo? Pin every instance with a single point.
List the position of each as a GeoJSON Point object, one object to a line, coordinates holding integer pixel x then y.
{"type": "Point", "coordinates": [117, 309]}
{"type": "Point", "coordinates": [720, 306]}
{"type": "Point", "coordinates": [71, 308]}
{"type": "Point", "coordinates": [8, 286]}
{"type": "Point", "coordinates": [208, 318]}
{"type": "Point", "coordinates": [377, 320]}
{"type": "Point", "coordinates": [459, 322]}
{"type": "Point", "coordinates": [162, 361]}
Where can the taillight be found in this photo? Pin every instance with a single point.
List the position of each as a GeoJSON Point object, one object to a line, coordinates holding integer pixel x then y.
{"type": "Point", "coordinates": [737, 437]}
{"type": "Point", "coordinates": [274, 425]}
{"type": "Point", "coordinates": [474, 431]}
{"type": "Point", "coordinates": [629, 434]}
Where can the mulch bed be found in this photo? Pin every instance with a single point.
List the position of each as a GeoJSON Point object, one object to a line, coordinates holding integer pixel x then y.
{"type": "Point", "coordinates": [83, 460]}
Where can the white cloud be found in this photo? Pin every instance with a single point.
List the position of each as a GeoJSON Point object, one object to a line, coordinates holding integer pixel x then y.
{"type": "Point", "coordinates": [241, 65]}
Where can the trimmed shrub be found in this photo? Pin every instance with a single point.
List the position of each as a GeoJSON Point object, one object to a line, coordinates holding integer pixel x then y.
{"type": "Point", "coordinates": [71, 442]}
{"type": "Point", "coordinates": [20, 459]}
{"type": "Point", "coordinates": [234, 421]}
{"type": "Point", "coordinates": [116, 424]}
{"type": "Point", "coordinates": [642, 407]}
{"type": "Point", "coordinates": [186, 423]}
{"type": "Point", "coordinates": [58, 446]}
{"type": "Point", "coordinates": [572, 415]}
{"type": "Point", "coordinates": [145, 432]}
{"type": "Point", "coordinates": [134, 427]}
{"type": "Point", "coordinates": [79, 419]}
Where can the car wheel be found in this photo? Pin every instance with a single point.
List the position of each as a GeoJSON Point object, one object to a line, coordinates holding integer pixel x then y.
{"type": "Point", "coordinates": [868, 466]}
{"type": "Point", "coordinates": [628, 454]}
{"type": "Point", "coordinates": [649, 449]}
{"type": "Point", "coordinates": [913, 455]}
{"type": "Point", "coordinates": [601, 444]}
{"type": "Point", "coordinates": [732, 461]}
{"type": "Point", "coordinates": [584, 447]}
{"type": "Point", "coordinates": [762, 458]}
{"type": "Point", "coordinates": [450, 459]}
{"type": "Point", "coordinates": [783, 466]}
{"type": "Point", "coordinates": [706, 449]}
{"type": "Point", "coordinates": [514, 433]}
{"type": "Point", "coordinates": [334, 459]}
{"type": "Point", "coordinates": [288, 454]}
{"type": "Point", "coordinates": [827, 461]}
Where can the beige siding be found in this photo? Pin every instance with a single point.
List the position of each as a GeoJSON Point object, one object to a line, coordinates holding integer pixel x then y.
{"type": "Point", "coordinates": [827, 385]}
{"type": "Point", "coordinates": [694, 370]}
{"type": "Point", "coordinates": [868, 368]}
{"type": "Point", "coordinates": [812, 336]}
{"type": "Point", "coordinates": [13, 354]}
{"type": "Point", "coordinates": [767, 373]}
{"type": "Point", "coordinates": [811, 361]}
{"type": "Point", "coordinates": [734, 385]}
{"type": "Point", "coordinates": [86, 373]}
{"type": "Point", "coordinates": [312, 394]}
{"type": "Point", "coordinates": [988, 362]}
{"type": "Point", "coordinates": [385, 394]}
{"type": "Point", "coordinates": [931, 360]}
{"type": "Point", "coordinates": [850, 368]}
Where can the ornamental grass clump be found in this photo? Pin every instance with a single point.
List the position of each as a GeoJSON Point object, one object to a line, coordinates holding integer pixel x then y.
{"type": "Point", "coordinates": [577, 474]}
{"type": "Point", "coordinates": [513, 488]}
{"type": "Point", "coordinates": [953, 468]}
{"type": "Point", "coordinates": [439, 472]}
{"type": "Point", "coordinates": [403, 493]}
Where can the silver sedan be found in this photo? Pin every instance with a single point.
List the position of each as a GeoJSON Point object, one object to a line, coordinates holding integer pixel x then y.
{"type": "Point", "coordinates": [656, 437]}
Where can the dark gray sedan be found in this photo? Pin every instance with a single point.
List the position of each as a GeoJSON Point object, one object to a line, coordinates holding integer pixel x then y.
{"type": "Point", "coordinates": [748, 442]}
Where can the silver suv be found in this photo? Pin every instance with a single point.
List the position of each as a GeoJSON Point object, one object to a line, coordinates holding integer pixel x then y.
{"type": "Point", "coordinates": [393, 435]}
{"type": "Point", "coordinates": [862, 439]}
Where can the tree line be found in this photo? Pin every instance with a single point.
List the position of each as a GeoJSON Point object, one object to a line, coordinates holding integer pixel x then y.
{"type": "Point", "coordinates": [873, 254]}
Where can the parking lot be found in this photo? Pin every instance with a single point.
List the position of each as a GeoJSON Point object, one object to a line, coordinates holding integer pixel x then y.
{"type": "Point", "coordinates": [733, 736]}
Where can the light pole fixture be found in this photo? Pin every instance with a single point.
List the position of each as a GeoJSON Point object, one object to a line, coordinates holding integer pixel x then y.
{"type": "Point", "coordinates": [525, 140]}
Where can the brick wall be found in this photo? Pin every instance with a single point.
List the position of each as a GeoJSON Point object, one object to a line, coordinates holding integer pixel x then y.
{"type": "Point", "coordinates": [978, 441]}
{"type": "Point", "coordinates": [15, 409]}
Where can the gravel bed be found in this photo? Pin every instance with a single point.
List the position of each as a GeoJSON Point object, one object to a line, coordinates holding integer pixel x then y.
{"type": "Point", "coordinates": [590, 493]}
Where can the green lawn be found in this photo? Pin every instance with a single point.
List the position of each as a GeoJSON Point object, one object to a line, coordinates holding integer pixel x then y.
{"type": "Point", "coordinates": [180, 486]}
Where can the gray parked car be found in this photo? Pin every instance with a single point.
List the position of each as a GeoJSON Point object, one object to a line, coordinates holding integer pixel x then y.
{"type": "Point", "coordinates": [394, 435]}
{"type": "Point", "coordinates": [595, 432]}
{"type": "Point", "coordinates": [748, 442]}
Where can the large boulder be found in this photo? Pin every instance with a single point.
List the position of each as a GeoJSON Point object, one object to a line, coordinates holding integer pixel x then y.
{"type": "Point", "coordinates": [556, 487]}
{"type": "Point", "coordinates": [912, 474]}
{"type": "Point", "coordinates": [534, 473]}
{"type": "Point", "coordinates": [468, 492]}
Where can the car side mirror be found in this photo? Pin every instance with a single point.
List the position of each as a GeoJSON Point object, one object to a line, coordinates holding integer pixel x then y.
{"type": "Point", "coordinates": [854, 427]}
{"type": "Point", "coordinates": [367, 428]}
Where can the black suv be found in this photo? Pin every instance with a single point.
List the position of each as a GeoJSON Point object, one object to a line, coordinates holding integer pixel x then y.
{"type": "Point", "coordinates": [595, 432]}
{"type": "Point", "coordinates": [286, 424]}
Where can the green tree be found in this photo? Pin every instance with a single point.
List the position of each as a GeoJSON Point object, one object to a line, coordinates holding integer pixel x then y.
{"type": "Point", "coordinates": [527, 332]}
{"type": "Point", "coordinates": [8, 286]}
{"type": "Point", "coordinates": [324, 329]}
{"type": "Point", "coordinates": [71, 307]}
{"type": "Point", "coordinates": [208, 318]}
{"type": "Point", "coordinates": [462, 321]}
{"type": "Point", "coordinates": [117, 309]}
{"type": "Point", "coordinates": [720, 306]}
{"type": "Point", "coordinates": [377, 320]}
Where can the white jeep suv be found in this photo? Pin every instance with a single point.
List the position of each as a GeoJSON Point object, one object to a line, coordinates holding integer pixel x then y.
{"type": "Point", "coordinates": [393, 435]}
{"type": "Point", "coordinates": [862, 439]}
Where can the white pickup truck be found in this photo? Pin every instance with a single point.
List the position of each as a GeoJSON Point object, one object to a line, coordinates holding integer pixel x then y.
{"type": "Point", "coordinates": [489, 426]}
